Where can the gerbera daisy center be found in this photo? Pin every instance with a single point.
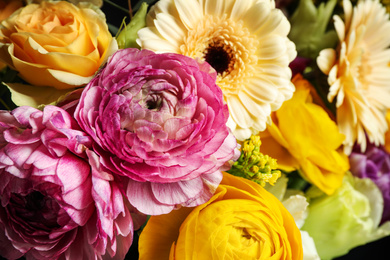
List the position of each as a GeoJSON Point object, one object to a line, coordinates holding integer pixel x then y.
{"type": "Point", "coordinates": [220, 57]}
{"type": "Point", "coordinates": [227, 46]}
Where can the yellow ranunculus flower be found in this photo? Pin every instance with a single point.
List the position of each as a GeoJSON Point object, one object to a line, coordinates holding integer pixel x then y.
{"type": "Point", "coordinates": [303, 137]}
{"type": "Point", "coordinates": [56, 44]}
{"type": "Point", "coordinates": [241, 221]}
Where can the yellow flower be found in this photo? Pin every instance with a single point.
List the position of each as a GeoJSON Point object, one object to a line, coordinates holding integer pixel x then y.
{"type": "Point", "coordinates": [303, 137]}
{"type": "Point", "coordinates": [387, 135]}
{"type": "Point", "coordinates": [7, 7]}
{"type": "Point", "coordinates": [245, 41]}
{"type": "Point", "coordinates": [358, 72]}
{"type": "Point", "coordinates": [241, 221]}
{"type": "Point", "coordinates": [56, 44]}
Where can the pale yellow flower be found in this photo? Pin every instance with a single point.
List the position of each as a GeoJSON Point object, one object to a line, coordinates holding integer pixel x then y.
{"type": "Point", "coordinates": [245, 41]}
{"type": "Point", "coordinates": [358, 72]}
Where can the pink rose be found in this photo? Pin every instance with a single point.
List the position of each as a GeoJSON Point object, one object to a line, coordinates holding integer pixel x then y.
{"type": "Point", "coordinates": [159, 121]}
{"type": "Point", "coordinates": [56, 200]}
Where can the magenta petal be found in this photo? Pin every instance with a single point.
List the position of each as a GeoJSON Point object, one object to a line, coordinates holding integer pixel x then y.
{"type": "Point", "coordinates": [72, 171]}
{"type": "Point", "coordinates": [141, 197]}
{"type": "Point", "coordinates": [6, 248]}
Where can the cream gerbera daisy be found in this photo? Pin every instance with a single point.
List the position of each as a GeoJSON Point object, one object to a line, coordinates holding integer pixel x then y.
{"type": "Point", "coordinates": [359, 73]}
{"type": "Point", "coordinates": [245, 41]}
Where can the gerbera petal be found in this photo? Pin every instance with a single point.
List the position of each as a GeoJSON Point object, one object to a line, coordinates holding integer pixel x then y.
{"type": "Point", "coordinates": [271, 48]}
{"type": "Point", "coordinates": [190, 12]}
{"type": "Point", "coordinates": [170, 28]}
{"type": "Point", "coordinates": [258, 110]}
{"type": "Point", "coordinates": [256, 16]}
{"type": "Point", "coordinates": [213, 7]}
{"type": "Point", "coordinates": [326, 59]}
{"type": "Point", "coordinates": [261, 89]}
{"type": "Point", "coordinates": [238, 112]}
{"type": "Point", "coordinates": [276, 23]}
{"type": "Point", "coordinates": [159, 46]}
{"type": "Point", "coordinates": [339, 26]}
{"type": "Point", "coordinates": [240, 8]}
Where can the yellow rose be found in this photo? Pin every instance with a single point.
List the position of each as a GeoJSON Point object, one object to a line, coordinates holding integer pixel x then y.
{"type": "Point", "coordinates": [7, 7]}
{"type": "Point", "coordinates": [241, 221]}
{"type": "Point", "coordinates": [303, 137]}
{"type": "Point", "coordinates": [56, 44]}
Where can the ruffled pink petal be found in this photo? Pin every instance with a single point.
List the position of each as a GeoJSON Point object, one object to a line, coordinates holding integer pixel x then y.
{"type": "Point", "coordinates": [141, 196]}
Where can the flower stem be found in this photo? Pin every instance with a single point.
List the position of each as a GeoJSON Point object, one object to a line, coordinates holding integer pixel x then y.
{"type": "Point", "coordinates": [130, 9]}
{"type": "Point", "coordinates": [4, 104]}
{"type": "Point", "coordinates": [116, 6]}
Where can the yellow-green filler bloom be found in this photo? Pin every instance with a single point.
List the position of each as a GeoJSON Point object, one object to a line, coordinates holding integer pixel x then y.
{"type": "Point", "coordinates": [254, 165]}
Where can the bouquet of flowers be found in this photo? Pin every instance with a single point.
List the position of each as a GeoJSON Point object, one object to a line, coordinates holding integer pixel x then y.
{"type": "Point", "coordinates": [193, 129]}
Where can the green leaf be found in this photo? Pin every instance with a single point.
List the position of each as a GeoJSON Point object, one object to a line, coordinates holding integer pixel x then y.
{"type": "Point", "coordinates": [309, 28]}
{"type": "Point", "coordinates": [34, 96]}
{"type": "Point", "coordinates": [127, 37]}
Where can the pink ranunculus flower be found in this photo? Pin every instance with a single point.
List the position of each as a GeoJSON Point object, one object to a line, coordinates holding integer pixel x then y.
{"type": "Point", "coordinates": [159, 121]}
{"type": "Point", "coordinates": [57, 202]}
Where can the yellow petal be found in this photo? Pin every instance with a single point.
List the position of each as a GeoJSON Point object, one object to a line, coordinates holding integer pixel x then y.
{"type": "Point", "coordinates": [34, 96]}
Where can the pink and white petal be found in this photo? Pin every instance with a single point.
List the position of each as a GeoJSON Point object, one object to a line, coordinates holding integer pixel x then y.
{"type": "Point", "coordinates": [176, 193]}
{"type": "Point", "coordinates": [141, 196]}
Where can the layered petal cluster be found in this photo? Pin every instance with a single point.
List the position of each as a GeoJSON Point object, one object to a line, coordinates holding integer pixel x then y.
{"type": "Point", "coordinates": [158, 120]}
{"type": "Point", "coordinates": [348, 218]}
{"type": "Point", "coordinates": [303, 137]}
{"type": "Point", "coordinates": [241, 221]}
{"type": "Point", "coordinates": [56, 44]}
{"type": "Point", "coordinates": [374, 164]}
{"type": "Point", "coordinates": [359, 73]}
{"type": "Point", "coordinates": [56, 203]}
{"type": "Point", "coordinates": [245, 41]}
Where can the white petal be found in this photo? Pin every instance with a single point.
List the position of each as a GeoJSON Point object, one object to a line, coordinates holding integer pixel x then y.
{"type": "Point", "coordinates": [238, 112]}
{"type": "Point", "coordinates": [189, 11]}
{"type": "Point", "coordinates": [347, 5]}
{"type": "Point", "coordinates": [159, 46]}
{"type": "Point", "coordinates": [276, 23]}
{"type": "Point", "coordinates": [261, 89]}
{"type": "Point", "coordinates": [240, 8]}
{"type": "Point", "coordinates": [256, 16]}
{"type": "Point", "coordinates": [260, 111]}
{"type": "Point", "coordinates": [170, 28]}
{"type": "Point", "coordinates": [309, 248]}
{"type": "Point", "coordinates": [214, 7]}
{"type": "Point", "coordinates": [272, 47]}
{"type": "Point", "coordinates": [339, 26]}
